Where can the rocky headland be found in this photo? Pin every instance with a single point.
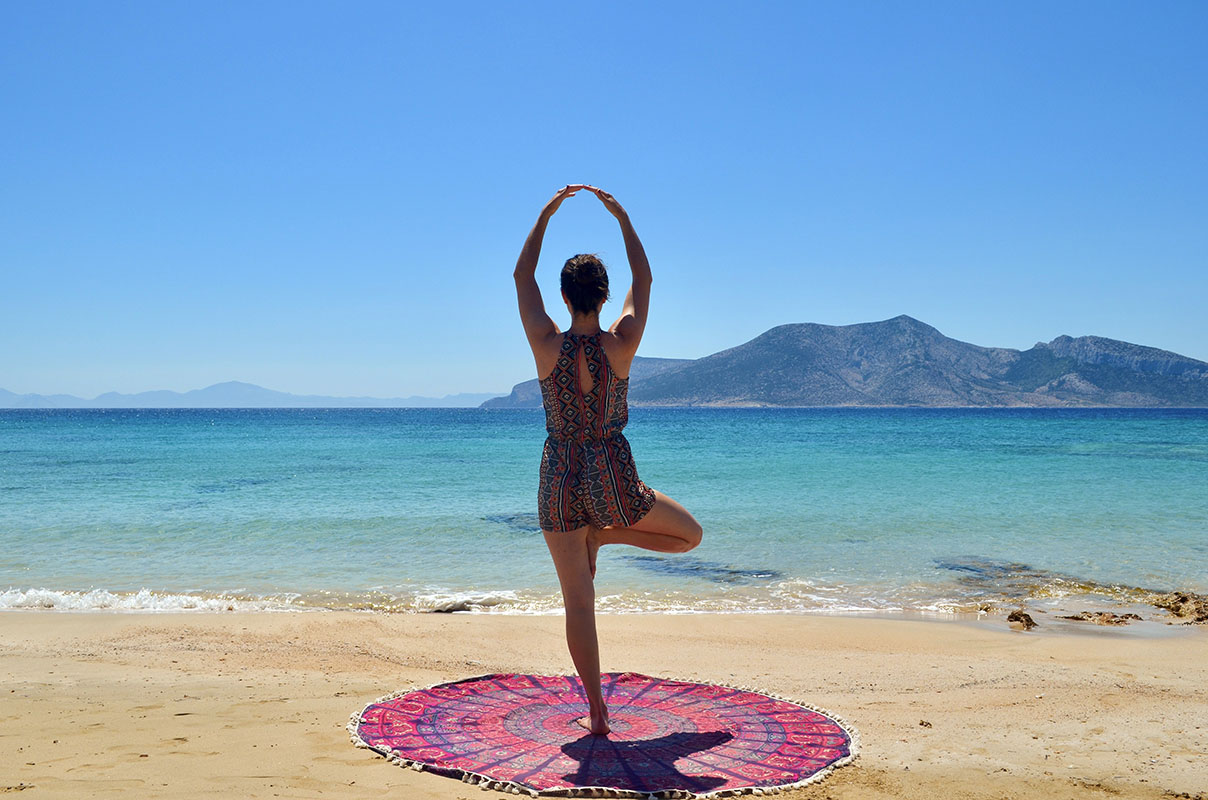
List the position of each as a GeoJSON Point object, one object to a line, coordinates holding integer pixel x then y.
{"type": "Point", "coordinates": [905, 362]}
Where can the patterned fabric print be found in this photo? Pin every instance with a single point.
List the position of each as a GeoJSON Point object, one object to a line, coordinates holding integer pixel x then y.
{"type": "Point", "coordinates": [666, 735]}
{"type": "Point", "coordinates": [588, 476]}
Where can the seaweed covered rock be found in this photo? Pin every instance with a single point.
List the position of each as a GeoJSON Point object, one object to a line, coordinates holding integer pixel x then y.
{"type": "Point", "coordinates": [1190, 607]}
{"type": "Point", "coordinates": [1102, 617]}
{"type": "Point", "coordinates": [1021, 618]}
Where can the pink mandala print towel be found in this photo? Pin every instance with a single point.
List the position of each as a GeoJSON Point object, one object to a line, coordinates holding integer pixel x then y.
{"type": "Point", "coordinates": [669, 738]}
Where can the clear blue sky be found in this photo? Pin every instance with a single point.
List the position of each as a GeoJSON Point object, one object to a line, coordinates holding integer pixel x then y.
{"type": "Point", "coordinates": [330, 197]}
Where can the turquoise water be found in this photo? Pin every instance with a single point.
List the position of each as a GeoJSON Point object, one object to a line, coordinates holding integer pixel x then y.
{"type": "Point", "coordinates": [414, 509]}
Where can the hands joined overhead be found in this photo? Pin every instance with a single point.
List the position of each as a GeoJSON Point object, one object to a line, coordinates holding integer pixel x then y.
{"type": "Point", "coordinates": [571, 189]}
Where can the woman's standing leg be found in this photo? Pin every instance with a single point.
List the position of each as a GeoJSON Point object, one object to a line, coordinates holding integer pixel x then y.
{"type": "Point", "coordinates": [575, 574]}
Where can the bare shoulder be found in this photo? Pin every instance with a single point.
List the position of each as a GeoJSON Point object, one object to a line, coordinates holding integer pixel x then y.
{"type": "Point", "coordinates": [628, 329]}
{"type": "Point", "coordinates": [545, 352]}
{"type": "Point", "coordinates": [620, 352]}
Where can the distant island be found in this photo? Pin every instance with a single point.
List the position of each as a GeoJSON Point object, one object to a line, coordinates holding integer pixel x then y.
{"type": "Point", "coordinates": [234, 394]}
{"type": "Point", "coordinates": [905, 362]}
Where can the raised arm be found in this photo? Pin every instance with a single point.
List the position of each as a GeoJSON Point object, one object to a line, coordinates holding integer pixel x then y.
{"type": "Point", "coordinates": [632, 322]}
{"type": "Point", "coordinates": [538, 326]}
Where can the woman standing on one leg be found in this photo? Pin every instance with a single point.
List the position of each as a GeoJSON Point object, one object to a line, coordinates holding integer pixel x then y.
{"type": "Point", "coordinates": [590, 492]}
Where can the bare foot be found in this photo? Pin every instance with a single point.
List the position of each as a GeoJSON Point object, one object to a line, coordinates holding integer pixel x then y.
{"type": "Point", "coordinates": [597, 725]}
{"type": "Point", "coordinates": [593, 549]}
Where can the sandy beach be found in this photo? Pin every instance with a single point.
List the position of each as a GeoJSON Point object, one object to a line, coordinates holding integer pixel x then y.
{"type": "Point", "coordinates": [255, 705]}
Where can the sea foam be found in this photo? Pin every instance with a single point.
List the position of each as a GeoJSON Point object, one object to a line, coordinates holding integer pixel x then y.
{"type": "Point", "coordinates": [142, 600]}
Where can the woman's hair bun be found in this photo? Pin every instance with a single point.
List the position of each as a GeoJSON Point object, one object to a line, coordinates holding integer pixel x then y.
{"type": "Point", "coordinates": [585, 282]}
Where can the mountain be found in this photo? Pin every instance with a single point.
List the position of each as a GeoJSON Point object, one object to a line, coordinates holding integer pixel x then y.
{"type": "Point", "coordinates": [897, 362]}
{"type": "Point", "coordinates": [528, 394]}
{"type": "Point", "coordinates": [1091, 370]}
{"type": "Point", "coordinates": [232, 394]}
{"type": "Point", "coordinates": [905, 362]}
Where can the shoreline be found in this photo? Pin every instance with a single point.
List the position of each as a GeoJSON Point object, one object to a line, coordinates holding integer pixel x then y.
{"type": "Point", "coordinates": [1133, 618]}
{"type": "Point", "coordinates": [1058, 629]}
{"type": "Point", "coordinates": [254, 704]}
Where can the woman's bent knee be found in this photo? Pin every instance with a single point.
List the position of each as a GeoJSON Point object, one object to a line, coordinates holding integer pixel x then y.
{"type": "Point", "coordinates": [689, 534]}
{"type": "Point", "coordinates": [695, 534]}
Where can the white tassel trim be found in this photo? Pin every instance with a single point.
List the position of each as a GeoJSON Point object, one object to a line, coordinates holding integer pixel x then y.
{"type": "Point", "coordinates": [490, 784]}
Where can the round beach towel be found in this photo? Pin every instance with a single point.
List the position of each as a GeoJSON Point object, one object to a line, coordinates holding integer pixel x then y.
{"type": "Point", "coordinates": [669, 738]}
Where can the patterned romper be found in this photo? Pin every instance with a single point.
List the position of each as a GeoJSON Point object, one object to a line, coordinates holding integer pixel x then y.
{"type": "Point", "coordinates": [587, 472]}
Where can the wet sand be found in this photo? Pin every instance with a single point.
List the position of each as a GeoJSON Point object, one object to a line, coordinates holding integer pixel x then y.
{"type": "Point", "coordinates": [255, 705]}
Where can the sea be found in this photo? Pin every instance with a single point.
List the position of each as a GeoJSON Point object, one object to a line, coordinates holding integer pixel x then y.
{"type": "Point", "coordinates": [852, 510]}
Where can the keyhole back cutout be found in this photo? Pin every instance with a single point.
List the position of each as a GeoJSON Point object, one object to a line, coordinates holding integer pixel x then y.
{"type": "Point", "coordinates": [586, 381]}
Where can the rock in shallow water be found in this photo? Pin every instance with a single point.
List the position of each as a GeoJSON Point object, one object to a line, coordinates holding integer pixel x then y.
{"type": "Point", "coordinates": [1017, 582]}
{"type": "Point", "coordinates": [1102, 617]}
{"type": "Point", "coordinates": [1192, 608]}
{"type": "Point", "coordinates": [1021, 619]}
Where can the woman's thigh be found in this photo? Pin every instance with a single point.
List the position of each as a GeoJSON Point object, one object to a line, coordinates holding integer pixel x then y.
{"type": "Point", "coordinates": [667, 516]}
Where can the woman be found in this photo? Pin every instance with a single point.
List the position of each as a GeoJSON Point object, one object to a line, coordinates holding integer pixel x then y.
{"type": "Point", "coordinates": [590, 493]}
